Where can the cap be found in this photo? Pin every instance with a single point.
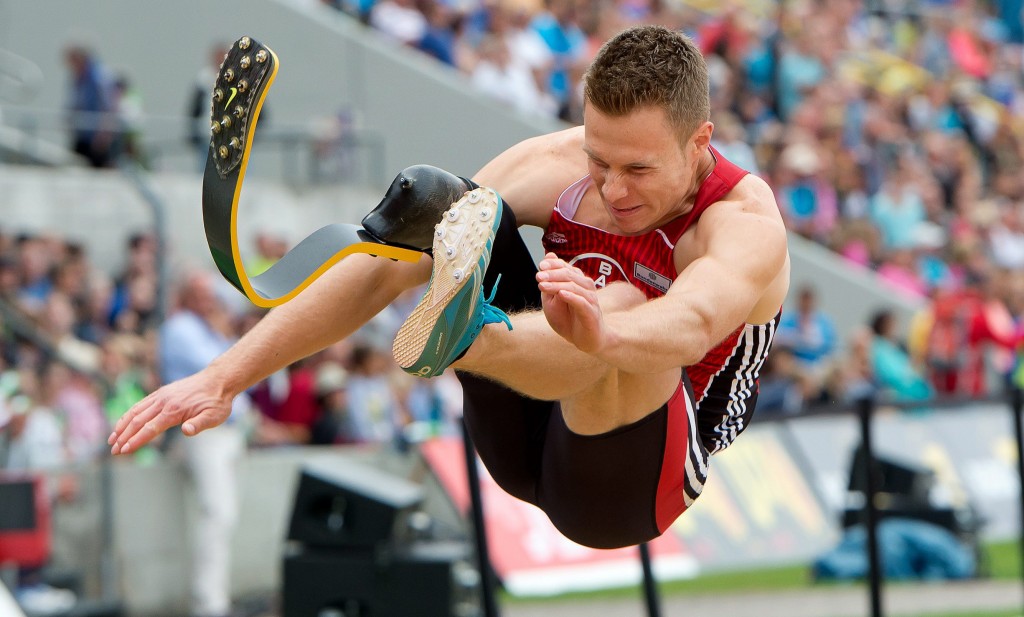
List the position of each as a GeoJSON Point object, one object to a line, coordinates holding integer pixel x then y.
{"type": "Point", "coordinates": [330, 377]}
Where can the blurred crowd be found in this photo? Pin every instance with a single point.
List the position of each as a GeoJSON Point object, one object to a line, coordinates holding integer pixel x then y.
{"type": "Point", "coordinates": [79, 346]}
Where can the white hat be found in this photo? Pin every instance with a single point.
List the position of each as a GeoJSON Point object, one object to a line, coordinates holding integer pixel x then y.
{"type": "Point", "coordinates": [330, 377]}
{"type": "Point", "coordinates": [801, 158]}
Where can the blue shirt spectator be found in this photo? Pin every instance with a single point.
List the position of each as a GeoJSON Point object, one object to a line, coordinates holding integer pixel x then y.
{"type": "Point", "coordinates": [898, 210]}
{"type": "Point", "coordinates": [894, 371]}
{"type": "Point", "coordinates": [808, 332]}
{"type": "Point", "coordinates": [567, 43]}
{"type": "Point", "coordinates": [193, 336]}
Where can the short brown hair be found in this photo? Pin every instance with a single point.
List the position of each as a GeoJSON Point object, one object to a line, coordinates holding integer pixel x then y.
{"type": "Point", "coordinates": [650, 66]}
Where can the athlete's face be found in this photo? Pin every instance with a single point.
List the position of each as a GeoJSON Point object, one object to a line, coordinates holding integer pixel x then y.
{"type": "Point", "coordinates": [645, 175]}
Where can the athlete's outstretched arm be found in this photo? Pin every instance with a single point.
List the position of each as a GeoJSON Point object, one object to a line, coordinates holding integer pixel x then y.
{"type": "Point", "coordinates": [344, 298]}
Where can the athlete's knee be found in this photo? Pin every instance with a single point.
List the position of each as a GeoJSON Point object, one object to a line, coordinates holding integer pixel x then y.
{"type": "Point", "coordinates": [413, 204]}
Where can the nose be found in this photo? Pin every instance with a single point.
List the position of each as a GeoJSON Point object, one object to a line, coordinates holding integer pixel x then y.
{"type": "Point", "coordinates": [614, 187]}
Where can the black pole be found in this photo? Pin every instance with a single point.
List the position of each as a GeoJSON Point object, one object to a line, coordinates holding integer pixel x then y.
{"type": "Point", "coordinates": [1016, 404]}
{"type": "Point", "coordinates": [866, 408]}
{"type": "Point", "coordinates": [487, 583]}
{"type": "Point", "coordinates": [650, 585]}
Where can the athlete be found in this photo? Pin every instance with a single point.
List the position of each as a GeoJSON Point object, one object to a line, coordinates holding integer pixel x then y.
{"type": "Point", "coordinates": [597, 384]}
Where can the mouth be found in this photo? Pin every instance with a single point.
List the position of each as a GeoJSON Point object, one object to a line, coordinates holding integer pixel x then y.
{"type": "Point", "coordinates": [625, 211]}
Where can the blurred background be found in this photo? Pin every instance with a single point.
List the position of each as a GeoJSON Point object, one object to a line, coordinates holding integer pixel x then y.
{"type": "Point", "coordinates": [892, 132]}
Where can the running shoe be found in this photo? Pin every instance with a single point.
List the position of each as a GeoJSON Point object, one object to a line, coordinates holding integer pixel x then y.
{"type": "Point", "coordinates": [453, 309]}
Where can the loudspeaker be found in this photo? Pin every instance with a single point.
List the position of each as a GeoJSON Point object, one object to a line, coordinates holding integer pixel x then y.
{"type": "Point", "coordinates": [896, 478]}
{"type": "Point", "coordinates": [427, 579]}
{"type": "Point", "coordinates": [350, 506]}
{"type": "Point", "coordinates": [904, 491]}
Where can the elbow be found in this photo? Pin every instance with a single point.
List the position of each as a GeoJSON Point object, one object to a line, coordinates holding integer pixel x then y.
{"type": "Point", "coordinates": [695, 352]}
{"type": "Point", "coordinates": [696, 342]}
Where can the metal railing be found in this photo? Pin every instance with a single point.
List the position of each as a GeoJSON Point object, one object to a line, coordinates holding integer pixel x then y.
{"type": "Point", "coordinates": [296, 154]}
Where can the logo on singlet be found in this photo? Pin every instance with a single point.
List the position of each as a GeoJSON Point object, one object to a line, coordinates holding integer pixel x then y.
{"type": "Point", "coordinates": [652, 278]}
{"type": "Point", "coordinates": [556, 238]}
{"type": "Point", "coordinates": [601, 268]}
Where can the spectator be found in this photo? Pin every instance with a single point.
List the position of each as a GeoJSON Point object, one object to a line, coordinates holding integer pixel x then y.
{"type": "Point", "coordinates": [440, 39]}
{"type": "Point", "coordinates": [1006, 237]}
{"type": "Point", "coordinates": [498, 75]}
{"type": "Point", "coordinates": [374, 408]}
{"type": "Point", "coordinates": [780, 383]}
{"type": "Point", "coordinates": [558, 27]}
{"type": "Point", "coordinates": [290, 421]}
{"type": "Point", "coordinates": [91, 106]}
{"type": "Point", "coordinates": [894, 373]}
{"type": "Point", "coordinates": [971, 332]}
{"type": "Point", "coordinates": [197, 332]}
{"type": "Point", "coordinates": [334, 425]}
{"type": "Point", "coordinates": [35, 264]}
{"type": "Point", "coordinates": [898, 209]}
{"type": "Point", "coordinates": [809, 333]}
{"type": "Point", "coordinates": [730, 139]}
{"type": "Point", "coordinates": [133, 307]}
{"type": "Point", "coordinates": [800, 69]}
{"type": "Point", "coordinates": [808, 203]}
{"type": "Point", "coordinates": [124, 366]}
{"type": "Point", "coordinates": [899, 270]}
{"type": "Point", "coordinates": [75, 400]}
{"type": "Point", "coordinates": [270, 248]}
{"type": "Point", "coordinates": [130, 119]}
{"type": "Point", "coordinates": [36, 439]}
{"type": "Point", "coordinates": [399, 20]}
{"type": "Point", "coordinates": [199, 119]}
{"type": "Point", "coordinates": [58, 322]}
{"type": "Point", "coordinates": [511, 21]}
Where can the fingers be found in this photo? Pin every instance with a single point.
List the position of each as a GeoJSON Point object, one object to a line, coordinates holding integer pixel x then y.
{"type": "Point", "coordinates": [581, 304]}
{"type": "Point", "coordinates": [137, 427]}
{"type": "Point", "coordinates": [551, 262]}
{"type": "Point", "coordinates": [553, 270]}
{"type": "Point", "coordinates": [129, 425]}
{"type": "Point", "coordinates": [558, 287]}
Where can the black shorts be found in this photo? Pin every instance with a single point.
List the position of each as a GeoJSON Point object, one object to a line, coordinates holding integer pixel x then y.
{"type": "Point", "coordinates": [610, 490]}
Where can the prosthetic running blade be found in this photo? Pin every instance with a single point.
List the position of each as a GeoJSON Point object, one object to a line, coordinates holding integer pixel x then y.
{"type": "Point", "coordinates": [242, 84]}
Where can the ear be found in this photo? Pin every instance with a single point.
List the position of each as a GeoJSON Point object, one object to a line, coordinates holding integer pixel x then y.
{"type": "Point", "coordinates": [701, 138]}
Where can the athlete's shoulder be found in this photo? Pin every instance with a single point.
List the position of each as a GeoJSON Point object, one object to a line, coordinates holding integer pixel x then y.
{"type": "Point", "coordinates": [751, 195]}
{"type": "Point", "coordinates": [532, 174]}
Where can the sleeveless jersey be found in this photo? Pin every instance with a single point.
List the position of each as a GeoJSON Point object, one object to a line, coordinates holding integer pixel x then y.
{"type": "Point", "coordinates": [725, 380]}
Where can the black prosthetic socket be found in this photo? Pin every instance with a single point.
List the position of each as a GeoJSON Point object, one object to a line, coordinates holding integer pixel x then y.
{"type": "Point", "coordinates": [416, 200]}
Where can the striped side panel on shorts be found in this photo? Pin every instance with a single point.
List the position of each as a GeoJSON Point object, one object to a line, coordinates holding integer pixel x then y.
{"type": "Point", "coordinates": [728, 400]}
{"type": "Point", "coordinates": [683, 474]}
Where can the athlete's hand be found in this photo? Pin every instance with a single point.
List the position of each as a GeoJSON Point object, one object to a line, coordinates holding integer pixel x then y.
{"type": "Point", "coordinates": [194, 402]}
{"type": "Point", "coordinates": [569, 300]}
